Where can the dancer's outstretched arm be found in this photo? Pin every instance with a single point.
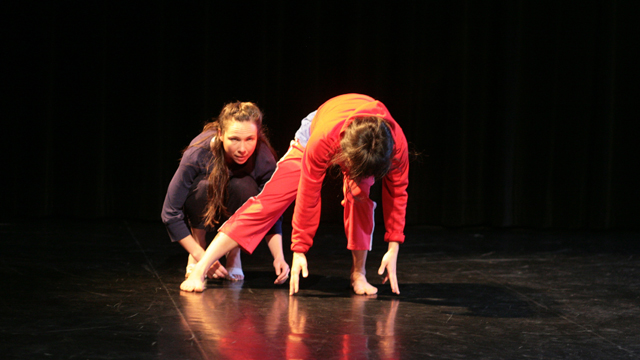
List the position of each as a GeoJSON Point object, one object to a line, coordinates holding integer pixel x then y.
{"type": "Point", "coordinates": [220, 245]}
{"type": "Point", "coordinates": [274, 241]}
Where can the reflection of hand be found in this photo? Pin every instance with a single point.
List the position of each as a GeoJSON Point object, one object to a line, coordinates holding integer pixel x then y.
{"type": "Point", "coordinates": [275, 316]}
{"type": "Point", "coordinates": [217, 271]}
{"type": "Point", "coordinates": [389, 263]}
{"type": "Point", "coordinates": [282, 270]}
{"type": "Point", "coordinates": [297, 318]}
{"type": "Point", "coordinates": [385, 326]}
{"type": "Point", "coordinates": [298, 264]}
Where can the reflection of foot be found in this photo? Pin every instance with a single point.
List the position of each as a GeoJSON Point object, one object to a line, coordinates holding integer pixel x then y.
{"type": "Point", "coordinates": [360, 284]}
{"type": "Point", "coordinates": [193, 283]}
{"type": "Point", "coordinates": [235, 274]}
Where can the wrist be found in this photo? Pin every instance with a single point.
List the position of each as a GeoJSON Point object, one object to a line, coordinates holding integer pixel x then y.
{"type": "Point", "coordinates": [394, 246]}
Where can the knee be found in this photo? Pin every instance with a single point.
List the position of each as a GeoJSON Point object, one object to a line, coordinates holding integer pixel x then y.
{"type": "Point", "coordinates": [199, 189]}
{"type": "Point", "coordinates": [197, 197]}
{"type": "Point", "coordinates": [359, 191]}
{"type": "Point", "coordinates": [357, 194]}
{"type": "Point", "coordinates": [240, 190]}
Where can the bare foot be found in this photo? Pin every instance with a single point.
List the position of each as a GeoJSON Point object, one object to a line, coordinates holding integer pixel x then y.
{"type": "Point", "coordinates": [360, 284]}
{"type": "Point", "coordinates": [234, 265]}
{"type": "Point", "coordinates": [193, 283]}
{"type": "Point", "coordinates": [190, 268]}
{"type": "Point", "coordinates": [235, 274]}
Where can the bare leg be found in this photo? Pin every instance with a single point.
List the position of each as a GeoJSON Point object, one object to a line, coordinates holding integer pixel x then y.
{"type": "Point", "coordinates": [234, 265]}
{"type": "Point", "coordinates": [220, 245]}
{"type": "Point", "coordinates": [359, 274]}
{"type": "Point", "coordinates": [199, 236]}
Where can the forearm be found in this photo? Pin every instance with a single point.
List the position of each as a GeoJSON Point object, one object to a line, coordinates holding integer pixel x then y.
{"type": "Point", "coordinates": [394, 211]}
{"type": "Point", "coordinates": [274, 241]}
{"type": "Point", "coordinates": [394, 199]}
{"type": "Point", "coordinates": [190, 244]}
{"type": "Point", "coordinates": [394, 246]}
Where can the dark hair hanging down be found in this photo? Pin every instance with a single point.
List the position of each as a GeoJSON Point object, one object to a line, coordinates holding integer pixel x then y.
{"type": "Point", "coordinates": [366, 148]}
{"type": "Point", "coordinates": [219, 175]}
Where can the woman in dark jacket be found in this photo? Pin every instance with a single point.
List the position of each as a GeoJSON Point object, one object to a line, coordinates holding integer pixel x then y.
{"type": "Point", "coordinates": [227, 163]}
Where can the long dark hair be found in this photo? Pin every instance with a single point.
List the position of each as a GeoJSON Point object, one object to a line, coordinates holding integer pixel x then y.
{"type": "Point", "coordinates": [366, 148]}
{"type": "Point", "coordinates": [219, 172]}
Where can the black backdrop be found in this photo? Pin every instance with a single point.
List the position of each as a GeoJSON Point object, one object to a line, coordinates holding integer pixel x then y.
{"type": "Point", "coordinates": [523, 111]}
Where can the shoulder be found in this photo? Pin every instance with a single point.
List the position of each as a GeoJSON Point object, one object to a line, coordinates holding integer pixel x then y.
{"type": "Point", "coordinates": [203, 139]}
{"type": "Point", "coordinates": [349, 99]}
{"type": "Point", "coordinates": [264, 155]}
{"type": "Point", "coordinates": [199, 152]}
{"type": "Point", "coordinates": [264, 151]}
{"type": "Point", "coordinates": [202, 142]}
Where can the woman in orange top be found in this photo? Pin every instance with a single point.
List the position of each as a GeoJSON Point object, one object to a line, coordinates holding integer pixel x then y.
{"type": "Point", "coordinates": [357, 133]}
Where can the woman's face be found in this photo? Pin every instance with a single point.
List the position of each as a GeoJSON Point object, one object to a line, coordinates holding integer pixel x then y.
{"type": "Point", "coordinates": [239, 141]}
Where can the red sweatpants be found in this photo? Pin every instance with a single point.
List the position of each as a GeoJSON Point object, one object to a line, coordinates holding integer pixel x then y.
{"type": "Point", "coordinates": [251, 222]}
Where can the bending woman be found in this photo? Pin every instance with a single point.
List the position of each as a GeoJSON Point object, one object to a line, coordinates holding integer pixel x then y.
{"type": "Point", "coordinates": [357, 133]}
{"type": "Point", "coordinates": [230, 161]}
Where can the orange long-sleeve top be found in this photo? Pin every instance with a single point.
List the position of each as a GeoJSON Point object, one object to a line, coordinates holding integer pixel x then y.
{"type": "Point", "coordinates": [327, 127]}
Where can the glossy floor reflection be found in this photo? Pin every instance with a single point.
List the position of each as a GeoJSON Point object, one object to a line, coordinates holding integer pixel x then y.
{"type": "Point", "coordinates": [109, 290]}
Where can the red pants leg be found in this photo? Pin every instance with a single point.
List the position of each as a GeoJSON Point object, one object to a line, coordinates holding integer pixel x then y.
{"type": "Point", "coordinates": [358, 213]}
{"type": "Point", "coordinates": [249, 224]}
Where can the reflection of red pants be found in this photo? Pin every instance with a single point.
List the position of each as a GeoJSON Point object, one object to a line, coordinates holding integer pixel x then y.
{"type": "Point", "coordinates": [252, 221]}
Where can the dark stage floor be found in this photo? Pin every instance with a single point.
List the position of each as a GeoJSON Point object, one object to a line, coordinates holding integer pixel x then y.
{"type": "Point", "coordinates": [109, 290]}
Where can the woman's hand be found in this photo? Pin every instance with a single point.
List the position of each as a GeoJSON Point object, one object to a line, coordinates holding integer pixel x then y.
{"type": "Point", "coordinates": [274, 241]}
{"type": "Point", "coordinates": [217, 271]}
{"type": "Point", "coordinates": [389, 263]}
{"type": "Point", "coordinates": [282, 270]}
{"type": "Point", "coordinates": [298, 264]}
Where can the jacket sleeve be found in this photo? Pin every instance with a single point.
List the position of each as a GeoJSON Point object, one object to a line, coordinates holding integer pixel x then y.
{"type": "Point", "coordinates": [172, 210]}
{"type": "Point", "coordinates": [306, 216]}
{"type": "Point", "coordinates": [394, 191]}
